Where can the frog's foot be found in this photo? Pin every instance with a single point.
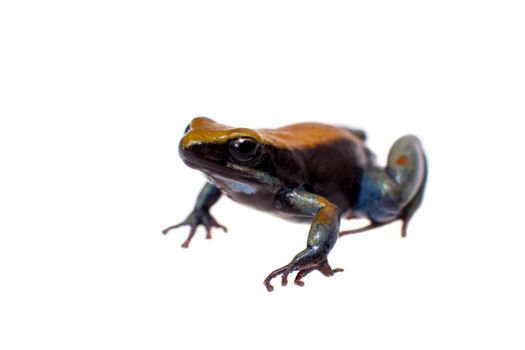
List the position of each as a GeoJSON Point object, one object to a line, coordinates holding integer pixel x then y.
{"type": "Point", "coordinates": [304, 270]}
{"type": "Point", "coordinates": [196, 218]}
{"type": "Point", "coordinates": [368, 227]}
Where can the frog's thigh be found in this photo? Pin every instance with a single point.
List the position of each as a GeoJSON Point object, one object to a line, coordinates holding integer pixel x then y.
{"type": "Point", "coordinates": [407, 167]}
{"type": "Point", "coordinates": [385, 192]}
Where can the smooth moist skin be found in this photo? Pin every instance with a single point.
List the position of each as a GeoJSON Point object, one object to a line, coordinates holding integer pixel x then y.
{"type": "Point", "coordinates": [303, 172]}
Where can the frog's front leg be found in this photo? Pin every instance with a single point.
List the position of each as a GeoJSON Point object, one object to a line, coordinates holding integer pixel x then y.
{"type": "Point", "coordinates": [321, 239]}
{"type": "Point", "coordinates": [200, 215]}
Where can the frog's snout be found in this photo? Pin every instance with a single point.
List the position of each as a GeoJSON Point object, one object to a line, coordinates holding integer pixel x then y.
{"type": "Point", "coordinates": [187, 141]}
{"type": "Point", "coordinates": [189, 150]}
{"type": "Point", "coordinates": [194, 152]}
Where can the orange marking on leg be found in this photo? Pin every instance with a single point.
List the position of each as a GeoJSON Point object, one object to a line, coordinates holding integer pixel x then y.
{"type": "Point", "coordinates": [402, 160]}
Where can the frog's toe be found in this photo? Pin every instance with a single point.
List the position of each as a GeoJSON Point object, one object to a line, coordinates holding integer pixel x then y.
{"type": "Point", "coordinates": [208, 232]}
{"type": "Point", "coordinates": [214, 223]}
{"type": "Point", "coordinates": [272, 275]}
{"type": "Point", "coordinates": [168, 229]}
{"type": "Point", "coordinates": [186, 243]}
{"type": "Point", "coordinates": [193, 229]}
{"type": "Point", "coordinates": [322, 266]}
{"type": "Point", "coordinates": [300, 275]}
{"type": "Point", "coordinates": [195, 219]}
{"type": "Point", "coordinates": [209, 223]}
{"type": "Point", "coordinates": [284, 271]}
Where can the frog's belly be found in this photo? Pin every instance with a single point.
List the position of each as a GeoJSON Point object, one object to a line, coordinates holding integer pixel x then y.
{"type": "Point", "coordinates": [258, 196]}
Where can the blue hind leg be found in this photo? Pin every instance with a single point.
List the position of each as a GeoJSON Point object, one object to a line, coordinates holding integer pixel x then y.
{"type": "Point", "coordinates": [395, 192]}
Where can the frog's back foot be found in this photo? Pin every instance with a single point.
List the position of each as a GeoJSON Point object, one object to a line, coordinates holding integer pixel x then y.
{"type": "Point", "coordinates": [396, 192]}
{"type": "Point", "coordinates": [372, 225]}
{"type": "Point", "coordinates": [407, 167]}
{"type": "Point", "coordinates": [410, 209]}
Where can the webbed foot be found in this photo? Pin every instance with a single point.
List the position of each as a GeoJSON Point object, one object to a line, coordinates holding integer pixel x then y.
{"type": "Point", "coordinates": [196, 218]}
{"type": "Point", "coordinates": [304, 269]}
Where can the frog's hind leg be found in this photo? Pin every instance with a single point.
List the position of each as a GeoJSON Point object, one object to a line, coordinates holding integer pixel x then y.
{"type": "Point", "coordinates": [410, 209]}
{"type": "Point", "coordinates": [396, 192]}
{"type": "Point", "coordinates": [370, 226]}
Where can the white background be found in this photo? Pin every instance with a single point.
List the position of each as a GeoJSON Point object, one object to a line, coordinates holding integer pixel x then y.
{"type": "Point", "coordinates": [95, 95]}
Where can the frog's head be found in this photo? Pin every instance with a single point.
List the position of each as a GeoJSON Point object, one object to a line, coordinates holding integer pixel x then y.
{"type": "Point", "coordinates": [218, 149]}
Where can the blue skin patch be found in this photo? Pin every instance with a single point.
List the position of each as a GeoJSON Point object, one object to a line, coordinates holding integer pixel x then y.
{"type": "Point", "coordinates": [373, 202]}
{"type": "Point", "coordinates": [240, 187]}
{"type": "Point", "coordinates": [234, 186]}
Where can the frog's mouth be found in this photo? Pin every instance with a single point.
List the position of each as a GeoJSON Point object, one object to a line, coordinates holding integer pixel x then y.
{"type": "Point", "coordinates": [234, 172]}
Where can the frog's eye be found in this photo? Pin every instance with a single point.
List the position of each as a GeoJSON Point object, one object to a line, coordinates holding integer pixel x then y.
{"type": "Point", "coordinates": [244, 149]}
{"type": "Point", "coordinates": [187, 129]}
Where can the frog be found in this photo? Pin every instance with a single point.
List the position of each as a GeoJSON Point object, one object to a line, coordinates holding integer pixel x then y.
{"type": "Point", "coordinates": [306, 172]}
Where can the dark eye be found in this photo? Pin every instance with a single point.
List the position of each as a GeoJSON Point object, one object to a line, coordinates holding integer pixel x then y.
{"type": "Point", "coordinates": [244, 149]}
{"type": "Point", "coordinates": [187, 129]}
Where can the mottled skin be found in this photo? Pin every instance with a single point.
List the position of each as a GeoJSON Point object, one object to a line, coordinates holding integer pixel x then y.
{"type": "Point", "coordinates": [304, 172]}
